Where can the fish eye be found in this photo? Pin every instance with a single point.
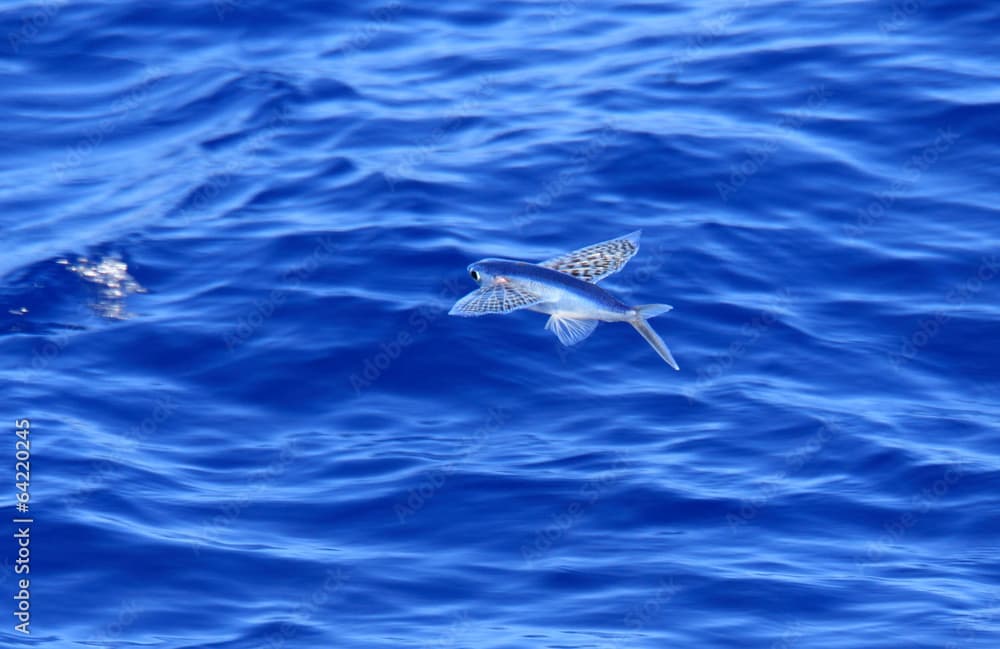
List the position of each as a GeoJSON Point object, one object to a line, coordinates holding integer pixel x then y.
{"type": "Point", "coordinates": [474, 274]}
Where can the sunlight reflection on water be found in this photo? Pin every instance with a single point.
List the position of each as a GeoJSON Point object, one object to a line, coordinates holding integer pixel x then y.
{"type": "Point", "coordinates": [115, 283]}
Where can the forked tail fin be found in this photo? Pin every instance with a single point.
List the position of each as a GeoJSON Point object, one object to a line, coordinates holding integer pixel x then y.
{"type": "Point", "coordinates": [644, 313]}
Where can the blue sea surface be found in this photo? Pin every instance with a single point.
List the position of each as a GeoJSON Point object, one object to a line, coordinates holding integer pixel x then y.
{"type": "Point", "coordinates": [232, 234]}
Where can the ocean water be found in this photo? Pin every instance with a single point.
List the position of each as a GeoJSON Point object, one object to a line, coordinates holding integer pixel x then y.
{"type": "Point", "coordinates": [233, 230]}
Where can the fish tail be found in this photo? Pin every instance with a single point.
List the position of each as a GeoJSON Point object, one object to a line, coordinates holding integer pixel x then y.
{"type": "Point", "coordinates": [643, 313]}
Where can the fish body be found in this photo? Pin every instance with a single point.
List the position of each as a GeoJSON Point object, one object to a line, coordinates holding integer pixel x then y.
{"type": "Point", "coordinates": [561, 294]}
{"type": "Point", "coordinates": [566, 289]}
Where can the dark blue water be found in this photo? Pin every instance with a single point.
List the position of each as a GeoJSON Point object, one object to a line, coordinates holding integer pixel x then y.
{"type": "Point", "coordinates": [232, 233]}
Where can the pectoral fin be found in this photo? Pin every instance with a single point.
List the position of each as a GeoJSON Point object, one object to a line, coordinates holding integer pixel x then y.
{"type": "Point", "coordinates": [594, 263]}
{"type": "Point", "coordinates": [499, 298]}
{"type": "Point", "coordinates": [570, 331]}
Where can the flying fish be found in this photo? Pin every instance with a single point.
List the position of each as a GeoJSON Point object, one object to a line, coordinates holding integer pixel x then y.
{"type": "Point", "coordinates": [566, 289]}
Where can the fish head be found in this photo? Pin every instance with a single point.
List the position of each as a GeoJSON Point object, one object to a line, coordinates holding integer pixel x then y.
{"type": "Point", "coordinates": [486, 272]}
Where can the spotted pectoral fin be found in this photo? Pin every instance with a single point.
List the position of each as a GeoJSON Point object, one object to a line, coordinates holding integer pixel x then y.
{"type": "Point", "coordinates": [499, 298]}
{"type": "Point", "coordinates": [570, 331]}
{"type": "Point", "coordinates": [594, 263]}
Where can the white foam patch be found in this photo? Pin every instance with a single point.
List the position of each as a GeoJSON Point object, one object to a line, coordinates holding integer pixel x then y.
{"type": "Point", "coordinates": [115, 283]}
